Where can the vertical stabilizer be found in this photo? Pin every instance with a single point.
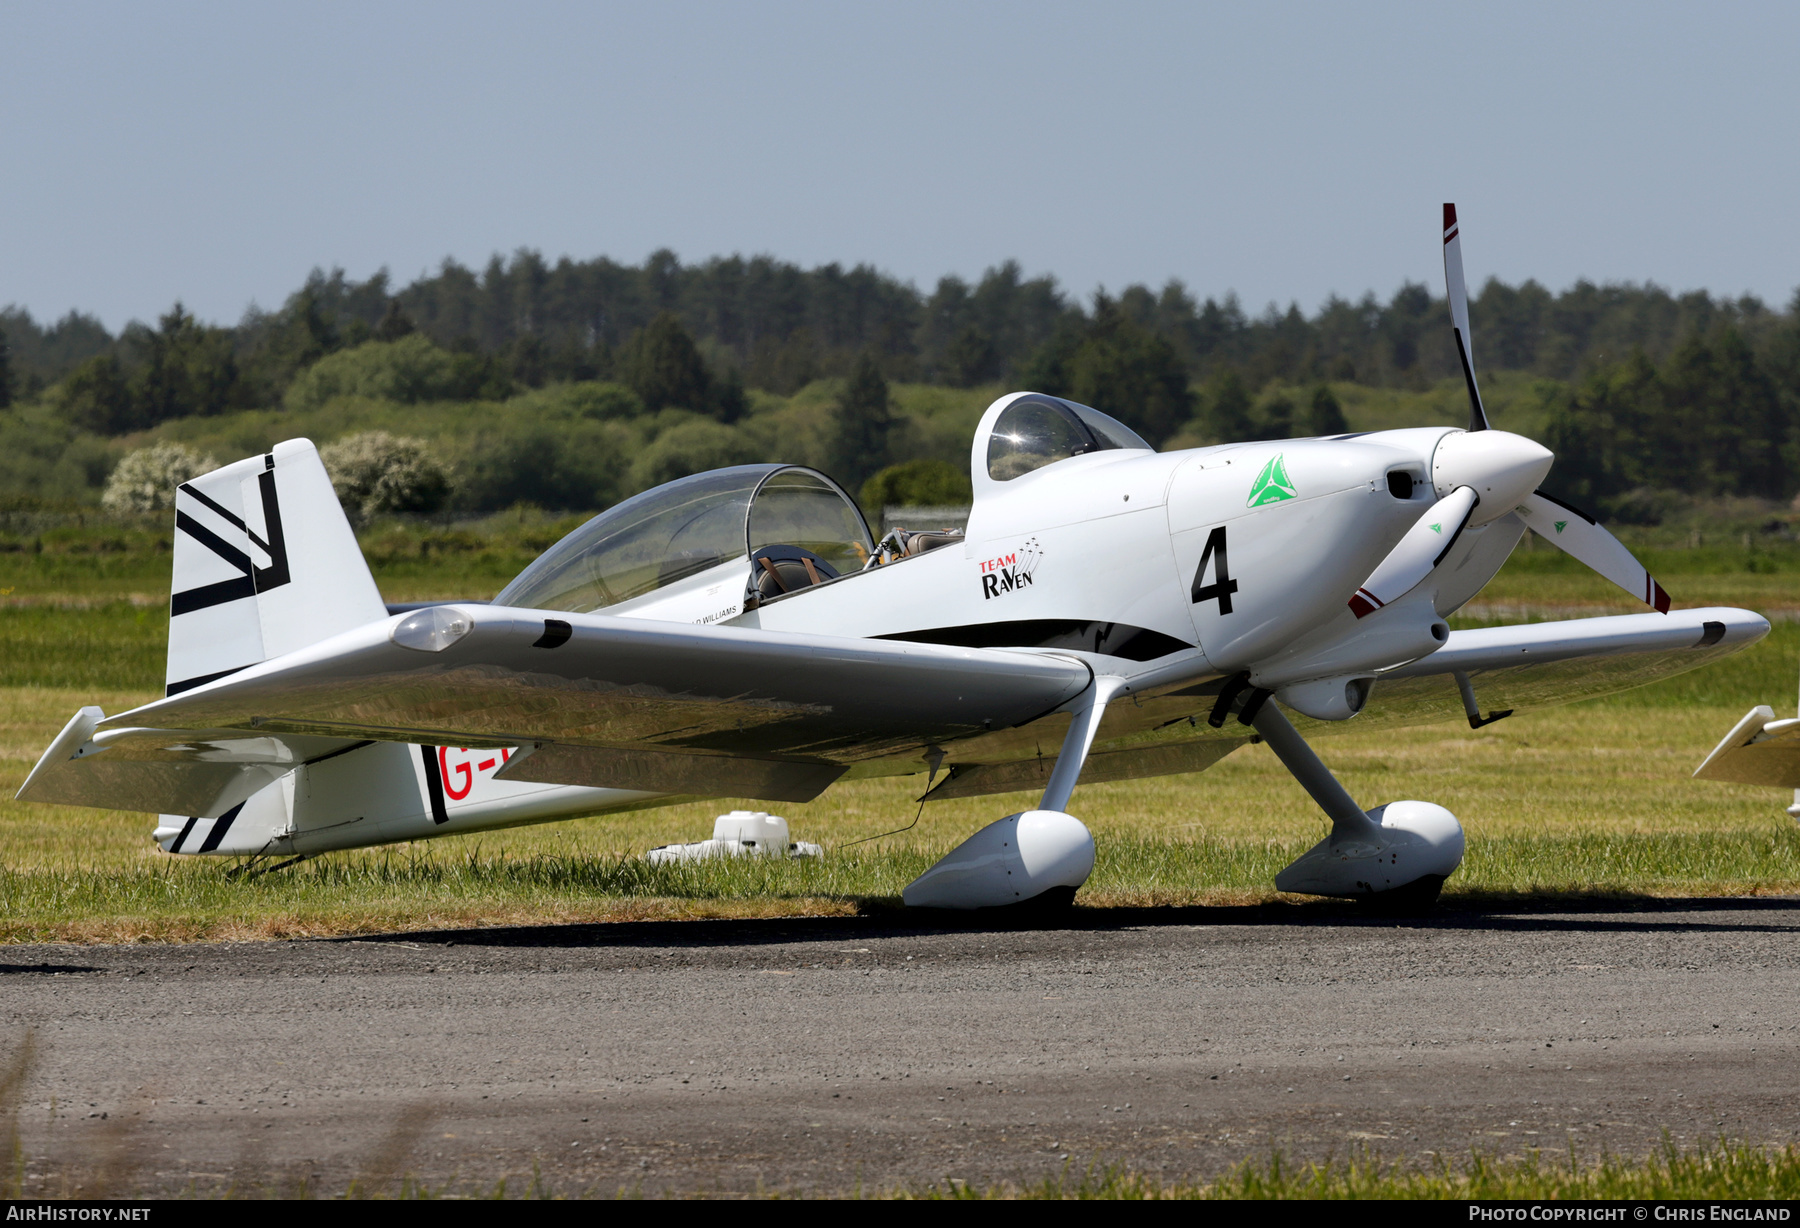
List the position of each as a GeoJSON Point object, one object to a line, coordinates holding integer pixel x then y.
{"type": "Point", "coordinates": [265, 564]}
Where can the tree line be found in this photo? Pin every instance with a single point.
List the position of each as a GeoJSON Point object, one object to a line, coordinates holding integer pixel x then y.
{"type": "Point", "coordinates": [1649, 390]}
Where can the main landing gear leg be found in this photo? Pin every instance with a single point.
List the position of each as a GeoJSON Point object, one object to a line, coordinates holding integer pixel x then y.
{"type": "Point", "coordinates": [1399, 853]}
{"type": "Point", "coordinates": [1037, 857]}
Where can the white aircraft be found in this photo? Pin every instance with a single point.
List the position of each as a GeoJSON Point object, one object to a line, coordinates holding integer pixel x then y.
{"type": "Point", "coordinates": [1761, 749]}
{"type": "Point", "coordinates": [1112, 612]}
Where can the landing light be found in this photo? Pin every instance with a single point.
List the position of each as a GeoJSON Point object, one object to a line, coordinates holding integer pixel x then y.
{"type": "Point", "coordinates": [432, 630]}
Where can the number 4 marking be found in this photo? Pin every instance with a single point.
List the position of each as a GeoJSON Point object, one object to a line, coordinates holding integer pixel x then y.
{"type": "Point", "coordinates": [1223, 585]}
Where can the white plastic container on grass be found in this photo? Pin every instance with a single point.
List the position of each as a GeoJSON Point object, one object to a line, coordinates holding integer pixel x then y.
{"type": "Point", "coordinates": [742, 833]}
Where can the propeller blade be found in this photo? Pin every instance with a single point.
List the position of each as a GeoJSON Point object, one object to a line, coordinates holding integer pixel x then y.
{"type": "Point", "coordinates": [1421, 550]}
{"type": "Point", "coordinates": [1578, 534]}
{"type": "Point", "coordinates": [1458, 293]}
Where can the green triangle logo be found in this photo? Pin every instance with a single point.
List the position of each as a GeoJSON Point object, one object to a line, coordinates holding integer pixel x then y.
{"type": "Point", "coordinates": [1272, 485]}
{"type": "Point", "coordinates": [1561, 525]}
{"type": "Point", "coordinates": [1437, 528]}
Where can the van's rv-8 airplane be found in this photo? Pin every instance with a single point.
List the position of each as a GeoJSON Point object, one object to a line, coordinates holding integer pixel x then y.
{"type": "Point", "coordinates": [1111, 612]}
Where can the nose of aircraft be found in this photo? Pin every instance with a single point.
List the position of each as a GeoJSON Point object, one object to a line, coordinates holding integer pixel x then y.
{"type": "Point", "coordinates": [1501, 467]}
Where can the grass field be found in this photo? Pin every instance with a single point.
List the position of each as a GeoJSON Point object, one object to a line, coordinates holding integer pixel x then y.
{"type": "Point", "coordinates": [1588, 800]}
{"type": "Point", "coordinates": [1591, 798]}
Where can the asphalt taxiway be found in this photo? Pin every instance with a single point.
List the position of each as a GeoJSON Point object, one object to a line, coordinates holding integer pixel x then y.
{"type": "Point", "coordinates": [820, 1055]}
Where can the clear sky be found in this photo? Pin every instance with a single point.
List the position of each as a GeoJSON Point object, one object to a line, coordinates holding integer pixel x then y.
{"type": "Point", "coordinates": [216, 152]}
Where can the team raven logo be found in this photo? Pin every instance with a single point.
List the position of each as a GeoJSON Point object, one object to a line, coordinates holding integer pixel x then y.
{"type": "Point", "coordinates": [1010, 572]}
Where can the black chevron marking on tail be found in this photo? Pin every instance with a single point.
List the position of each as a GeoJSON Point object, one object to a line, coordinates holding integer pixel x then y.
{"type": "Point", "coordinates": [250, 579]}
{"type": "Point", "coordinates": [276, 573]}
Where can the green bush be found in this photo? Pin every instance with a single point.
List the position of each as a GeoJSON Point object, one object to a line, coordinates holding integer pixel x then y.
{"type": "Point", "coordinates": [408, 370]}
{"type": "Point", "coordinates": [42, 458]}
{"type": "Point", "coordinates": [691, 447]}
{"type": "Point", "coordinates": [919, 483]}
{"type": "Point", "coordinates": [585, 399]}
{"type": "Point", "coordinates": [575, 466]}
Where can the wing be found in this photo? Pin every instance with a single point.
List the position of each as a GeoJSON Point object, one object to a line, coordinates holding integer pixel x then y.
{"type": "Point", "coordinates": [593, 700]}
{"type": "Point", "coordinates": [1541, 665]}
{"type": "Point", "coordinates": [1536, 665]}
{"type": "Point", "coordinates": [1760, 750]}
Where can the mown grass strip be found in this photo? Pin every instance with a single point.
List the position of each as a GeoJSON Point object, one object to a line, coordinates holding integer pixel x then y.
{"type": "Point", "coordinates": [165, 899]}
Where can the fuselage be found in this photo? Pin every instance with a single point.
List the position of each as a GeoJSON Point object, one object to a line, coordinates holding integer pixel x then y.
{"type": "Point", "coordinates": [1163, 570]}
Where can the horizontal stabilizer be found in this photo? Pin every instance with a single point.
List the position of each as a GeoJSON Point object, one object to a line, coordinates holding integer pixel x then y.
{"type": "Point", "coordinates": [194, 772]}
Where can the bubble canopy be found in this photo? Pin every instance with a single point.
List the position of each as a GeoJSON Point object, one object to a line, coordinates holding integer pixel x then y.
{"type": "Point", "coordinates": [1038, 430]}
{"type": "Point", "coordinates": [691, 526]}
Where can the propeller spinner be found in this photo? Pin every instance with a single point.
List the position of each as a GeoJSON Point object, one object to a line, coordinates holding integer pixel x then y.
{"type": "Point", "coordinates": [1480, 477]}
{"type": "Point", "coordinates": [1483, 474]}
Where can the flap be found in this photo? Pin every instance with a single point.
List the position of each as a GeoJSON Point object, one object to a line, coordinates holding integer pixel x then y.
{"type": "Point", "coordinates": [1169, 759]}
{"type": "Point", "coordinates": [650, 771]}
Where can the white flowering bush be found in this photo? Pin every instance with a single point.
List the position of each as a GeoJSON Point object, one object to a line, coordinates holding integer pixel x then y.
{"type": "Point", "coordinates": [375, 472]}
{"type": "Point", "coordinates": [145, 480]}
